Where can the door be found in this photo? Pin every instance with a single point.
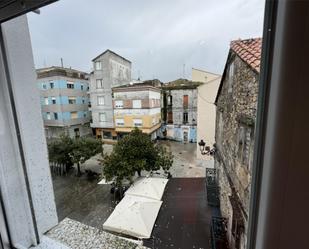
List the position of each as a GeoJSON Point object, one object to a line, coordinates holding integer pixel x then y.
{"type": "Point", "coordinates": [185, 136]}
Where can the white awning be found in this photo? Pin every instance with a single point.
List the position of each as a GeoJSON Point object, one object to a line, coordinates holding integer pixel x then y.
{"type": "Point", "coordinates": [134, 216]}
{"type": "Point", "coordinates": [151, 187]}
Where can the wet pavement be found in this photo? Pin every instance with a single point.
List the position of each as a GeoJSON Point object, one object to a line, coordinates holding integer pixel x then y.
{"type": "Point", "coordinates": [83, 200]}
{"type": "Point", "coordinates": [184, 219]}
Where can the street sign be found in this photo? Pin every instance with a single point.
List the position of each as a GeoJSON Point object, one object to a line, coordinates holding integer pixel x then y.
{"type": "Point", "coordinates": [13, 8]}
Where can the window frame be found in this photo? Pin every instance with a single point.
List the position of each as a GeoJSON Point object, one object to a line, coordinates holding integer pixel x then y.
{"type": "Point", "coordinates": [102, 102]}
{"type": "Point", "coordinates": [96, 63]}
{"type": "Point", "coordinates": [136, 106]}
{"type": "Point", "coordinates": [99, 86]}
{"type": "Point", "coordinates": [102, 114]}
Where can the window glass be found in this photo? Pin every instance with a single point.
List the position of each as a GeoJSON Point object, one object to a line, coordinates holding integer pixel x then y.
{"type": "Point", "coordinates": [102, 117]}
{"type": "Point", "coordinates": [70, 85]}
{"type": "Point", "coordinates": [119, 122]}
{"type": "Point", "coordinates": [101, 100]}
{"type": "Point", "coordinates": [137, 103]}
{"type": "Point", "coordinates": [99, 83]}
{"type": "Point", "coordinates": [55, 115]}
{"type": "Point", "coordinates": [98, 65]}
{"type": "Point", "coordinates": [48, 116]}
{"type": "Point", "coordinates": [74, 115]}
{"type": "Point", "coordinates": [51, 84]}
{"type": "Point", "coordinates": [53, 99]}
{"type": "Point", "coordinates": [72, 100]}
{"type": "Point", "coordinates": [46, 102]}
{"type": "Point", "coordinates": [118, 104]}
{"type": "Point", "coordinates": [137, 122]}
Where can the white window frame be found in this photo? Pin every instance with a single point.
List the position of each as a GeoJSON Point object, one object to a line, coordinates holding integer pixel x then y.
{"type": "Point", "coordinates": [118, 103]}
{"type": "Point", "coordinates": [102, 114]}
{"type": "Point", "coordinates": [53, 99]}
{"type": "Point", "coordinates": [72, 98]}
{"type": "Point", "coordinates": [99, 83]}
{"type": "Point", "coordinates": [98, 65]}
{"type": "Point", "coordinates": [46, 101]}
{"type": "Point", "coordinates": [70, 83]}
{"type": "Point", "coordinates": [100, 100]}
{"type": "Point", "coordinates": [119, 122]}
{"type": "Point", "coordinates": [137, 122]}
{"type": "Point", "coordinates": [48, 116]}
{"type": "Point", "coordinates": [137, 104]}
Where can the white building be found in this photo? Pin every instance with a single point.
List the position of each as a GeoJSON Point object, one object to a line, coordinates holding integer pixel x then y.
{"type": "Point", "coordinates": [110, 70]}
{"type": "Point", "coordinates": [206, 109]}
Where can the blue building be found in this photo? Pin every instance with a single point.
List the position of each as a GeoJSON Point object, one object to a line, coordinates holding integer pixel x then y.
{"type": "Point", "coordinates": [64, 101]}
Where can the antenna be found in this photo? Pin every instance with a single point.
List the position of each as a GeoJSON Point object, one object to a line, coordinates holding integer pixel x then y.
{"type": "Point", "coordinates": [61, 62]}
{"type": "Point", "coordinates": [183, 72]}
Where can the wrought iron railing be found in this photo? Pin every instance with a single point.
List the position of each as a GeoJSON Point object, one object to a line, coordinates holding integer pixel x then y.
{"type": "Point", "coordinates": [212, 188]}
{"type": "Point", "coordinates": [219, 233]}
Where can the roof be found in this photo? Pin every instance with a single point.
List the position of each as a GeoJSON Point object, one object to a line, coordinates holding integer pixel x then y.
{"type": "Point", "coordinates": [110, 51]}
{"type": "Point", "coordinates": [181, 84]}
{"type": "Point", "coordinates": [136, 86]}
{"type": "Point", "coordinates": [249, 51]}
{"type": "Point", "coordinates": [60, 71]}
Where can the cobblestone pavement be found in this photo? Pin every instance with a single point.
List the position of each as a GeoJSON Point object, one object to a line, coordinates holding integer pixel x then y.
{"type": "Point", "coordinates": [185, 162]}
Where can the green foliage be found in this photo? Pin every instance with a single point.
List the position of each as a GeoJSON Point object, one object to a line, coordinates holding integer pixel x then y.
{"type": "Point", "coordinates": [133, 153]}
{"type": "Point", "coordinates": [68, 151]}
{"type": "Point", "coordinates": [59, 150]}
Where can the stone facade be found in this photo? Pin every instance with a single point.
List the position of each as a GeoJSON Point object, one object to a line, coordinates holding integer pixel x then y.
{"type": "Point", "coordinates": [179, 112]}
{"type": "Point", "coordinates": [236, 114]}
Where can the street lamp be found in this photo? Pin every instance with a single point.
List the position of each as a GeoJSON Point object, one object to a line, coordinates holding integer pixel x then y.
{"type": "Point", "coordinates": [202, 146]}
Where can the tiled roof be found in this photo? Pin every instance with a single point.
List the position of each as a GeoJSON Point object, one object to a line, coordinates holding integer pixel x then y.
{"type": "Point", "coordinates": [249, 50]}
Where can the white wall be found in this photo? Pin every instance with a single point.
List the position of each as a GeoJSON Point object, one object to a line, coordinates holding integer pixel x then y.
{"type": "Point", "coordinates": [206, 109]}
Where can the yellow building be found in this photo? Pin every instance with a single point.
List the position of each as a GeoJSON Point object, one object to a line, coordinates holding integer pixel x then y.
{"type": "Point", "coordinates": [137, 105]}
{"type": "Point", "coordinates": [206, 109]}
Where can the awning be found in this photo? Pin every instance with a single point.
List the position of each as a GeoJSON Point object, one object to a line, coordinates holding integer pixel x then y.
{"type": "Point", "coordinates": [134, 216]}
{"type": "Point", "coordinates": [151, 187]}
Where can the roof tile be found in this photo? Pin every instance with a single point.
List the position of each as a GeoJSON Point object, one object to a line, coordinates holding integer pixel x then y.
{"type": "Point", "coordinates": [249, 50]}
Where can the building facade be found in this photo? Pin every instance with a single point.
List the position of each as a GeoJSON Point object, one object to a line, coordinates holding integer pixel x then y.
{"type": "Point", "coordinates": [110, 70]}
{"type": "Point", "coordinates": [64, 101]}
{"type": "Point", "coordinates": [235, 135]}
{"type": "Point", "coordinates": [137, 105]}
{"type": "Point", "coordinates": [206, 108]}
{"type": "Point", "coordinates": [179, 112]}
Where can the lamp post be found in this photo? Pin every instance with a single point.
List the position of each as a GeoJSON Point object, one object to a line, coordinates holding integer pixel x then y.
{"type": "Point", "coordinates": [202, 146]}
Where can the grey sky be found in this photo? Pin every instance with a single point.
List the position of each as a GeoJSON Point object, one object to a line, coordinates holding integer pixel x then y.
{"type": "Point", "coordinates": [158, 36]}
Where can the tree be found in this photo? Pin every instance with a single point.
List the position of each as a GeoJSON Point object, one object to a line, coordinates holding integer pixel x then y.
{"type": "Point", "coordinates": [133, 153]}
{"type": "Point", "coordinates": [59, 150]}
{"type": "Point", "coordinates": [67, 151]}
{"type": "Point", "coordinates": [83, 149]}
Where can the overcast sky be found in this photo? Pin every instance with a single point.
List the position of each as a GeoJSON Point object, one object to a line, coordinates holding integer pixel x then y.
{"type": "Point", "coordinates": [157, 36]}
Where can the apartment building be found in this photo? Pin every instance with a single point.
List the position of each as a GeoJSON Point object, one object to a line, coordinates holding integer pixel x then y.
{"type": "Point", "coordinates": [179, 112]}
{"type": "Point", "coordinates": [64, 101]}
{"type": "Point", "coordinates": [110, 70]}
{"type": "Point", "coordinates": [137, 105]}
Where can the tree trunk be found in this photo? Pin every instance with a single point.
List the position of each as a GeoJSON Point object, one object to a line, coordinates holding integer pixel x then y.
{"type": "Point", "coordinates": [139, 173]}
{"type": "Point", "coordinates": [79, 173]}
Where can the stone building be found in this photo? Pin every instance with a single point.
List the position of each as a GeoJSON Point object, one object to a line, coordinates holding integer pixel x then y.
{"type": "Point", "coordinates": [137, 105]}
{"type": "Point", "coordinates": [179, 112]}
{"type": "Point", "coordinates": [110, 70]}
{"type": "Point", "coordinates": [235, 135]}
{"type": "Point", "coordinates": [64, 101]}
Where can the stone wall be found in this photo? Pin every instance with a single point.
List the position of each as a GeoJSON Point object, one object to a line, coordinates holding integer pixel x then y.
{"type": "Point", "coordinates": [236, 115]}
